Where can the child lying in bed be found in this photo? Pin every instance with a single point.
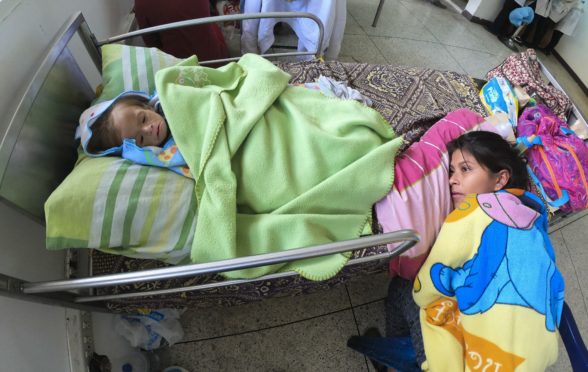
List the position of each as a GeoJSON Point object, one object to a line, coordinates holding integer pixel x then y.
{"type": "Point", "coordinates": [489, 292]}
{"type": "Point", "coordinates": [133, 126]}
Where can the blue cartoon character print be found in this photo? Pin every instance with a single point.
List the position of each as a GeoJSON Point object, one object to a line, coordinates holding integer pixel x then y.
{"type": "Point", "coordinates": [514, 265]}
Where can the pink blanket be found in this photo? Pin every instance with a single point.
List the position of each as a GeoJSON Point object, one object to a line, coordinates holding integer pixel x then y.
{"type": "Point", "coordinates": [420, 198]}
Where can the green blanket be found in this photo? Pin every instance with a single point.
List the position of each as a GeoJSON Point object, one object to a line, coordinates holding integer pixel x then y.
{"type": "Point", "coordinates": [276, 167]}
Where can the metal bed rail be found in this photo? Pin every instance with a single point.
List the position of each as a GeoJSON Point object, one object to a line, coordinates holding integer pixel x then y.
{"type": "Point", "coordinates": [234, 17]}
{"type": "Point", "coordinates": [60, 291]}
{"type": "Point", "coordinates": [226, 283]}
{"type": "Point", "coordinates": [575, 113]}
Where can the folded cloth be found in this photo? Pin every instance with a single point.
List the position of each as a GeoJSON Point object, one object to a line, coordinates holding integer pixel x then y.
{"type": "Point", "coordinates": [333, 88]}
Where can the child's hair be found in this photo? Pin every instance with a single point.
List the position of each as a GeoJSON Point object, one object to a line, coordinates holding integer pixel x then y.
{"type": "Point", "coordinates": [103, 135]}
{"type": "Point", "coordinates": [494, 153]}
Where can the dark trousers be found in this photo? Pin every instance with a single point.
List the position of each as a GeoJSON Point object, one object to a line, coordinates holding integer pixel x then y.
{"type": "Point", "coordinates": [403, 315]}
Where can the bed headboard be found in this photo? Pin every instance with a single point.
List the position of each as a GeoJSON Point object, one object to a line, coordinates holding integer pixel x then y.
{"type": "Point", "coordinates": [38, 149]}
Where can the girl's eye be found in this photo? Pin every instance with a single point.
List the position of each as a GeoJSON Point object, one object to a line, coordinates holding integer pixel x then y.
{"type": "Point", "coordinates": [143, 119]}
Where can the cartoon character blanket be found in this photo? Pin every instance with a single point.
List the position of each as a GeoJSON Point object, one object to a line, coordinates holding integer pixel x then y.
{"type": "Point", "coordinates": [490, 293]}
{"type": "Point", "coordinates": [275, 166]}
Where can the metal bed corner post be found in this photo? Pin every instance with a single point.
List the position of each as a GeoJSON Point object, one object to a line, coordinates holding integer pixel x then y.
{"type": "Point", "coordinates": [378, 11]}
{"type": "Point", "coordinates": [10, 286]}
{"type": "Point", "coordinates": [234, 17]}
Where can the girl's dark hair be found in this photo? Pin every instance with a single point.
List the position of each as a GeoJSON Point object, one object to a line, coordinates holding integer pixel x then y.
{"type": "Point", "coordinates": [494, 153]}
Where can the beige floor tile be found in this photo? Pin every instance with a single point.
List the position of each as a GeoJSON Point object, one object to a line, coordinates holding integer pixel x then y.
{"type": "Point", "coordinates": [319, 344]}
{"type": "Point", "coordinates": [222, 321]}
{"type": "Point", "coordinates": [395, 20]}
{"type": "Point", "coordinates": [416, 53]}
{"type": "Point", "coordinates": [352, 27]}
{"type": "Point", "coordinates": [360, 48]}
{"type": "Point", "coordinates": [475, 63]}
{"type": "Point", "coordinates": [573, 295]}
{"type": "Point", "coordinates": [453, 29]}
{"type": "Point", "coordinates": [368, 289]}
{"type": "Point", "coordinates": [371, 315]}
{"type": "Point", "coordinates": [574, 236]}
{"type": "Point", "coordinates": [566, 220]}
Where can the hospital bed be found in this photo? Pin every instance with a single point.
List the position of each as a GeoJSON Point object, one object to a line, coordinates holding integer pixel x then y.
{"type": "Point", "coordinates": [38, 151]}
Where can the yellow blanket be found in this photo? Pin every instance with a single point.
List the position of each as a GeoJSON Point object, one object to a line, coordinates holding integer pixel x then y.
{"type": "Point", "coordinates": [489, 292]}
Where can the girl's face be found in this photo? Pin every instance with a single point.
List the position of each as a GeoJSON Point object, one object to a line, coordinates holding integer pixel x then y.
{"type": "Point", "coordinates": [467, 176]}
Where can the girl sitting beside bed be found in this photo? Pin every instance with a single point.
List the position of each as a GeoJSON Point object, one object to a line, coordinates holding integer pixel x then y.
{"type": "Point", "coordinates": [489, 293]}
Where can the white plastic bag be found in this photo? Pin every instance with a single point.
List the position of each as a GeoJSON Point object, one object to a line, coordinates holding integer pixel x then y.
{"type": "Point", "coordinates": [148, 331]}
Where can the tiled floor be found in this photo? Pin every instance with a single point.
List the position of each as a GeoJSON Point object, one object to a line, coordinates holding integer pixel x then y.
{"type": "Point", "coordinates": [309, 333]}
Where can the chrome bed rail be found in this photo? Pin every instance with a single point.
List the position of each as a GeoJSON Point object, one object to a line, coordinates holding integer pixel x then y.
{"type": "Point", "coordinates": [234, 17]}
{"type": "Point", "coordinates": [408, 237]}
{"type": "Point", "coordinates": [60, 291]}
{"type": "Point", "coordinates": [575, 114]}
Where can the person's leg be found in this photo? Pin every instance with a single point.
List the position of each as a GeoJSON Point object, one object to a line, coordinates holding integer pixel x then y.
{"type": "Point", "coordinates": [396, 325]}
{"type": "Point", "coordinates": [396, 349]}
{"type": "Point", "coordinates": [553, 42]}
{"type": "Point", "coordinates": [540, 30]}
{"type": "Point", "coordinates": [403, 316]}
{"type": "Point", "coordinates": [411, 313]}
{"type": "Point", "coordinates": [501, 25]}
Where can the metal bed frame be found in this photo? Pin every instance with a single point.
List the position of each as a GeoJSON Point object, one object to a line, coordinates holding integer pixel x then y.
{"type": "Point", "coordinates": [38, 151]}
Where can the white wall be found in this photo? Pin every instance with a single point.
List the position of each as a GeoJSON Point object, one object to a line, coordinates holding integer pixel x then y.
{"type": "Point", "coordinates": [484, 9]}
{"type": "Point", "coordinates": [574, 49]}
{"type": "Point", "coordinates": [32, 336]}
